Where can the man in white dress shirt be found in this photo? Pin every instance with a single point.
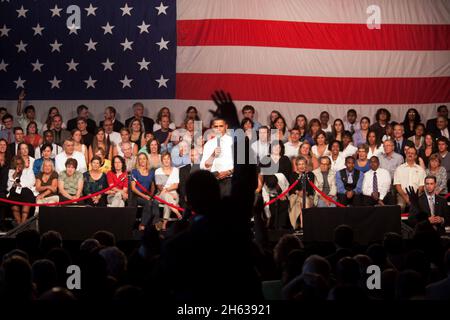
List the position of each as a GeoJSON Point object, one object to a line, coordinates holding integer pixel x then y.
{"type": "Point", "coordinates": [291, 147]}
{"type": "Point", "coordinates": [409, 174]}
{"type": "Point", "coordinates": [113, 136]}
{"type": "Point", "coordinates": [218, 156]}
{"type": "Point", "coordinates": [261, 147]}
{"type": "Point", "coordinates": [376, 185]}
{"type": "Point", "coordinates": [351, 124]}
{"type": "Point", "coordinates": [69, 152]}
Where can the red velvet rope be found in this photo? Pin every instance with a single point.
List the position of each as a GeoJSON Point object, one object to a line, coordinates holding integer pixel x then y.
{"type": "Point", "coordinates": [17, 203]}
{"type": "Point", "coordinates": [156, 197]}
{"type": "Point", "coordinates": [268, 203]}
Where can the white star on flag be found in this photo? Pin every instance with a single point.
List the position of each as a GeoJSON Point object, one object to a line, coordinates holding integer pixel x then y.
{"type": "Point", "coordinates": [126, 10]}
{"type": "Point", "coordinates": [38, 30]}
{"type": "Point", "coordinates": [37, 66]}
{"type": "Point", "coordinates": [91, 10]}
{"type": "Point", "coordinates": [126, 45]}
{"type": "Point", "coordinates": [143, 27]}
{"type": "Point", "coordinates": [108, 28]}
{"type": "Point", "coordinates": [56, 11]}
{"type": "Point", "coordinates": [55, 46]}
{"type": "Point", "coordinates": [162, 9]}
{"type": "Point", "coordinates": [19, 83]}
{"type": "Point", "coordinates": [163, 44]}
{"type": "Point", "coordinates": [126, 82]}
{"type": "Point", "coordinates": [3, 66]}
{"type": "Point", "coordinates": [91, 45]}
{"type": "Point", "coordinates": [143, 64]}
{"type": "Point", "coordinates": [73, 29]}
{"type": "Point", "coordinates": [54, 82]}
{"type": "Point", "coordinates": [4, 31]}
{"type": "Point", "coordinates": [90, 83]}
{"type": "Point", "coordinates": [72, 65]}
{"type": "Point", "coordinates": [162, 82]}
{"type": "Point", "coordinates": [107, 65]}
{"type": "Point", "coordinates": [22, 12]}
{"type": "Point", "coordinates": [21, 47]}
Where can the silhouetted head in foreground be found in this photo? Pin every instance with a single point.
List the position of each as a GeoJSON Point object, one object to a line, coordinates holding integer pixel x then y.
{"type": "Point", "coordinates": [203, 193]}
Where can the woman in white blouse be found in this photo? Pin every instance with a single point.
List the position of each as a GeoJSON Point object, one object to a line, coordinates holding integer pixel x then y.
{"type": "Point", "coordinates": [320, 149]}
{"type": "Point", "coordinates": [21, 188]}
{"type": "Point", "coordinates": [375, 146]}
{"type": "Point", "coordinates": [167, 179]}
{"type": "Point", "coordinates": [23, 151]}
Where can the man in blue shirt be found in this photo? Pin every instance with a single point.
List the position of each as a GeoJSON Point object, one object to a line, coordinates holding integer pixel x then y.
{"type": "Point", "coordinates": [349, 183]}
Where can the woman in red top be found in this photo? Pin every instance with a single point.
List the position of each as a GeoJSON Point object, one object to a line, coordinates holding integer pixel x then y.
{"type": "Point", "coordinates": [118, 175]}
{"type": "Point", "coordinates": [32, 136]}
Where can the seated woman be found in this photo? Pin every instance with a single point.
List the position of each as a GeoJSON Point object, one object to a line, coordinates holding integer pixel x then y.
{"type": "Point", "coordinates": [362, 163]}
{"type": "Point", "coordinates": [125, 136]}
{"type": "Point", "coordinates": [21, 187]}
{"type": "Point", "coordinates": [296, 194]}
{"type": "Point", "coordinates": [321, 147]}
{"type": "Point", "coordinates": [105, 164]}
{"type": "Point", "coordinates": [70, 181]}
{"type": "Point", "coordinates": [436, 169]}
{"type": "Point", "coordinates": [167, 179]}
{"type": "Point", "coordinates": [46, 153]}
{"type": "Point", "coordinates": [47, 183]}
{"type": "Point", "coordinates": [32, 136]}
{"type": "Point", "coordinates": [78, 143]}
{"type": "Point", "coordinates": [136, 133]}
{"type": "Point", "coordinates": [100, 141]}
{"type": "Point", "coordinates": [117, 196]}
{"type": "Point", "coordinates": [153, 150]}
{"type": "Point", "coordinates": [94, 181]}
{"type": "Point", "coordinates": [145, 177]}
{"type": "Point", "coordinates": [23, 151]}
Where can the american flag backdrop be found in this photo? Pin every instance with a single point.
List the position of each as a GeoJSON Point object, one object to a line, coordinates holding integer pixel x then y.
{"type": "Point", "coordinates": [290, 54]}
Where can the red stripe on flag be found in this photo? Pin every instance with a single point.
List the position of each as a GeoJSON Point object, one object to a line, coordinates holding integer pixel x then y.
{"type": "Point", "coordinates": [250, 87]}
{"type": "Point", "coordinates": [230, 32]}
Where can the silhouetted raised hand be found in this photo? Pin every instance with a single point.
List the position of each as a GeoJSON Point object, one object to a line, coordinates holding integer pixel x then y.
{"type": "Point", "coordinates": [413, 196]}
{"type": "Point", "coordinates": [226, 109]}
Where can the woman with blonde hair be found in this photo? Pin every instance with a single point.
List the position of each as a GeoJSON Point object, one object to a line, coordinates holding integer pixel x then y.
{"type": "Point", "coordinates": [305, 152]}
{"type": "Point", "coordinates": [167, 179]}
{"type": "Point", "coordinates": [144, 176]}
{"type": "Point", "coordinates": [78, 143]}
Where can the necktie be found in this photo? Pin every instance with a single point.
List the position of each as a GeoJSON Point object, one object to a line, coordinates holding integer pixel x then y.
{"type": "Point", "coordinates": [9, 136]}
{"type": "Point", "coordinates": [352, 129]}
{"type": "Point", "coordinates": [326, 186]}
{"type": "Point", "coordinates": [375, 182]}
{"type": "Point", "coordinates": [431, 204]}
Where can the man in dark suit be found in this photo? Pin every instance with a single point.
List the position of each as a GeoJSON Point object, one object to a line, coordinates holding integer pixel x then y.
{"type": "Point", "coordinates": [428, 206]}
{"type": "Point", "coordinates": [110, 114]}
{"type": "Point", "coordinates": [82, 112]}
{"type": "Point", "coordinates": [442, 111]}
{"type": "Point", "coordinates": [147, 123]}
{"type": "Point", "coordinates": [399, 139]}
{"type": "Point", "coordinates": [59, 134]}
{"type": "Point", "coordinates": [13, 147]}
{"type": "Point", "coordinates": [442, 128]}
{"type": "Point", "coordinates": [185, 172]}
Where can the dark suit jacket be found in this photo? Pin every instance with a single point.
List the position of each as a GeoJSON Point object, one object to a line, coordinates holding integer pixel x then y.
{"type": "Point", "coordinates": [91, 125]}
{"type": "Point", "coordinates": [11, 151]}
{"type": "Point", "coordinates": [401, 147]}
{"type": "Point", "coordinates": [117, 125]}
{"type": "Point", "coordinates": [148, 123]}
{"type": "Point", "coordinates": [431, 125]}
{"type": "Point", "coordinates": [184, 173]}
{"type": "Point", "coordinates": [422, 212]}
{"type": "Point", "coordinates": [59, 138]}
